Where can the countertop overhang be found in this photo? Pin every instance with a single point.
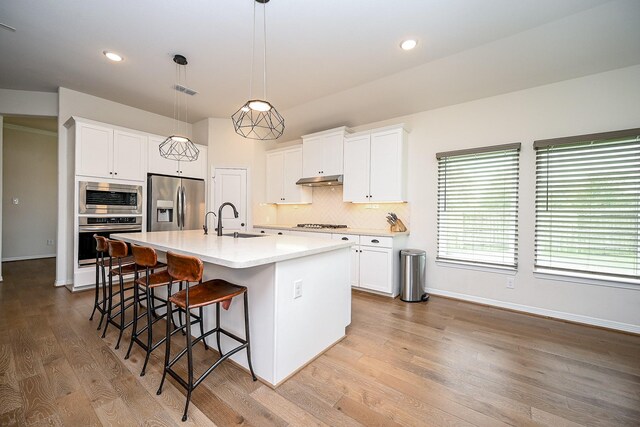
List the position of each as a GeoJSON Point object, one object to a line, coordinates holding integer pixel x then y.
{"type": "Point", "coordinates": [233, 252]}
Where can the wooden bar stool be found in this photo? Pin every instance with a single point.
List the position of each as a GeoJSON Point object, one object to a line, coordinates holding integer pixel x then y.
{"type": "Point", "coordinates": [102, 247]}
{"type": "Point", "coordinates": [147, 259]}
{"type": "Point", "coordinates": [119, 251]}
{"type": "Point", "coordinates": [189, 269]}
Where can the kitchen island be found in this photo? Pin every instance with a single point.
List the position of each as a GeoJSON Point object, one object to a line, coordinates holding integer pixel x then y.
{"type": "Point", "coordinates": [298, 288]}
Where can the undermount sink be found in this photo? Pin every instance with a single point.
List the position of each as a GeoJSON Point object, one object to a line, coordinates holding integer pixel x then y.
{"type": "Point", "coordinates": [242, 235]}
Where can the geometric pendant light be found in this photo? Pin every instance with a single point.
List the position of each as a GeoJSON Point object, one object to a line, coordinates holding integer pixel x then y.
{"type": "Point", "coordinates": [257, 118]}
{"type": "Point", "coordinates": [178, 146]}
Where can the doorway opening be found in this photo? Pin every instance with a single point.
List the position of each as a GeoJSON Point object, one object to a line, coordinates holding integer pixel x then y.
{"type": "Point", "coordinates": [29, 147]}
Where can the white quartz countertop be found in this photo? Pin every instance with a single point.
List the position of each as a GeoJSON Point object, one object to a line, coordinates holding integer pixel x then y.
{"type": "Point", "coordinates": [233, 252]}
{"type": "Point", "coordinates": [349, 230]}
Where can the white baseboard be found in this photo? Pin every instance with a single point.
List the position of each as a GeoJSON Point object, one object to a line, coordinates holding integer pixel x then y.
{"type": "Point", "coordinates": [577, 318]}
{"type": "Point", "coordinates": [24, 258]}
{"type": "Point", "coordinates": [0, 278]}
{"type": "Point", "coordinates": [63, 282]}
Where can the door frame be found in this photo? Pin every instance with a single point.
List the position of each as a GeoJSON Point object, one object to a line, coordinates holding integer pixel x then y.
{"type": "Point", "coordinates": [248, 195]}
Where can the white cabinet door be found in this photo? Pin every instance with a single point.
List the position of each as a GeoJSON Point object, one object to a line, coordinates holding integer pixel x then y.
{"type": "Point", "coordinates": [129, 151]}
{"type": "Point", "coordinates": [157, 163]}
{"type": "Point", "coordinates": [292, 163]}
{"type": "Point", "coordinates": [356, 169]}
{"type": "Point", "coordinates": [275, 177]}
{"type": "Point", "coordinates": [333, 155]}
{"type": "Point", "coordinates": [197, 168]}
{"type": "Point", "coordinates": [94, 151]}
{"type": "Point", "coordinates": [313, 157]}
{"type": "Point", "coordinates": [376, 268]}
{"type": "Point", "coordinates": [355, 266]}
{"type": "Point", "coordinates": [386, 167]}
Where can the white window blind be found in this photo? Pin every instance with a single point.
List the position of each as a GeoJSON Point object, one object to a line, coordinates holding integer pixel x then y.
{"type": "Point", "coordinates": [588, 204]}
{"type": "Point", "coordinates": [478, 206]}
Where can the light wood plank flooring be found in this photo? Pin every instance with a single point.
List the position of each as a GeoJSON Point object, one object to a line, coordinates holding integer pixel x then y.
{"type": "Point", "coordinates": [441, 363]}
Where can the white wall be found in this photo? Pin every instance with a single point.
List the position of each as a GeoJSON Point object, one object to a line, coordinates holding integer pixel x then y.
{"type": "Point", "coordinates": [228, 149]}
{"type": "Point", "coordinates": [597, 103]}
{"type": "Point", "coordinates": [29, 158]}
{"type": "Point", "coordinates": [28, 103]}
{"type": "Point", "coordinates": [72, 103]}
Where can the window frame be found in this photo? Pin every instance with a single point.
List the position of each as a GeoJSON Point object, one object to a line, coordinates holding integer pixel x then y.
{"type": "Point", "coordinates": [568, 274]}
{"type": "Point", "coordinates": [514, 193]}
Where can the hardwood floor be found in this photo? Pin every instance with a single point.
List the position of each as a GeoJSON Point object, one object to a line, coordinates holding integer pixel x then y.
{"type": "Point", "coordinates": [443, 363]}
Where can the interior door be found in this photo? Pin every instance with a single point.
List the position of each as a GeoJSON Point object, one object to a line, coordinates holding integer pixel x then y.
{"type": "Point", "coordinates": [230, 185]}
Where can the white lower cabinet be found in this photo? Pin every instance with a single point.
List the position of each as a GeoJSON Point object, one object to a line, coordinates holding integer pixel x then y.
{"type": "Point", "coordinates": [374, 262]}
{"type": "Point", "coordinates": [376, 269]}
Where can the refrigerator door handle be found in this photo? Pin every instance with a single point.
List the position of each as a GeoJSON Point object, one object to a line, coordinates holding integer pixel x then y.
{"type": "Point", "coordinates": [179, 208]}
{"type": "Point", "coordinates": [184, 199]}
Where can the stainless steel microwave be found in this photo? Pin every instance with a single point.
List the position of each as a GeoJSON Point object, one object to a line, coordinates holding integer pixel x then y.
{"type": "Point", "coordinates": [106, 198]}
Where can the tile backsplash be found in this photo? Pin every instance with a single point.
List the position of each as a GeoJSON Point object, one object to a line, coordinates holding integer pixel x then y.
{"type": "Point", "coordinates": [328, 208]}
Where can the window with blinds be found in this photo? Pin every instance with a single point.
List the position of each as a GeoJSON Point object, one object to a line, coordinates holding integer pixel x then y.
{"type": "Point", "coordinates": [478, 206]}
{"type": "Point", "coordinates": [588, 205]}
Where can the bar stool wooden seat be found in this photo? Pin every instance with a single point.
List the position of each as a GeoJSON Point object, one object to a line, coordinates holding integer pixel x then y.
{"type": "Point", "coordinates": [119, 251]}
{"type": "Point", "coordinates": [147, 259]}
{"type": "Point", "coordinates": [189, 269]}
{"type": "Point", "coordinates": [99, 304]}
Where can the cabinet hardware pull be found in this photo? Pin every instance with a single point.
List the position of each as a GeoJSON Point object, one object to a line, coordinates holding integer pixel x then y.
{"type": "Point", "coordinates": [262, 231]}
{"type": "Point", "coordinates": [242, 224]}
{"type": "Point", "coordinates": [115, 173]}
{"type": "Point", "coordinates": [280, 234]}
{"type": "Point", "coordinates": [345, 238]}
{"type": "Point", "coordinates": [375, 241]}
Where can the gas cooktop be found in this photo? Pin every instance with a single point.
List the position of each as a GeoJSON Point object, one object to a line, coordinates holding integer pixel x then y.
{"type": "Point", "coordinates": [318, 226]}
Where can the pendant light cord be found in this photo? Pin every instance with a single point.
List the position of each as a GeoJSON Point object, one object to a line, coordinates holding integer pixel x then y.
{"type": "Point", "coordinates": [264, 24]}
{"type": "Point", "coordinates": [175, 102]}
{"type": "Point", "coordinates": [253, 50]}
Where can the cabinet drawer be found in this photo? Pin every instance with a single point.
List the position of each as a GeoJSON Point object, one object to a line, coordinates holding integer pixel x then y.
{"type": "Point", "coordinates": [384, 242]}
{"type": "Point", "coordinates": [347, 238]}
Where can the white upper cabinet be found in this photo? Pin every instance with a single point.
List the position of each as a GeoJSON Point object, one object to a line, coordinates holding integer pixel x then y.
{"type": "Point", "coordinates": [375, 166]}
{"type": "Point", "coordinates": [160, 165]}
{"type": "Point", "coordinates": [356, 169]}
{"type": "Point", "coordinates": [129, 156]}
{"type": "Point", "coordinates": [104, 152]}
{"type": "Point", "coordinates": [322, 153]}
{"type": "Point", "coordinates": [94, 145]}
{"type": "Point", "coordinates": [284, 168]}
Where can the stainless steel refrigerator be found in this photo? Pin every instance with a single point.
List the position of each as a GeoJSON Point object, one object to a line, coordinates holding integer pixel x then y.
{"type": "Point", "coordinates": [174, 203]}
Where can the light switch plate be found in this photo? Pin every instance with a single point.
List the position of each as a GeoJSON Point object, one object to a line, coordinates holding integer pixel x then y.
{"type": "Point", "coordinates": [511, 282]}
{"type": "Point", "coordinates": [297, 289]}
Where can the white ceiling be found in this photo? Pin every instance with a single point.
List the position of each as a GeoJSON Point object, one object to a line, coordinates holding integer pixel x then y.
{"type": "Point", "coordinates": [336, 59]}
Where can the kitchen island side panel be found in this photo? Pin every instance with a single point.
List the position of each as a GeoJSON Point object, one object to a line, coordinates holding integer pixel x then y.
{"type": "Point", "coordinates": [260, 283]}
{"type": "Point", "coordinates": [306, 326]}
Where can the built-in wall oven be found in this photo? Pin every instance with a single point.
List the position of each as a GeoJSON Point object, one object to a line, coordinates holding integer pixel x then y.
{"type": "Point", "coordinates": [109, 199]}
{"type": "Point", "coordinates": [103, 226]}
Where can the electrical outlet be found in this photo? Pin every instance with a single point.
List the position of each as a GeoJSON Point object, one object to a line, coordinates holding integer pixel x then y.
{"type": "Point", "coordinates": [511, 282]}
{"type": "Point", "coordinates": [297, 289]}
{"type": "Point", "coordinates": [49, 242]}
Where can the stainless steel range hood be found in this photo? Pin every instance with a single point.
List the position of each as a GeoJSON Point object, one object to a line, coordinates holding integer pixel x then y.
{"type": "Point", "coordinates": [321, 181]}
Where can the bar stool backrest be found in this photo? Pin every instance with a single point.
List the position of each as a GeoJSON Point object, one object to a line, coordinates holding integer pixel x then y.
{"type": "Point", "coordinates": [184, 267]}
{"type": "Point", "coordinates": [101, 243]}
{"type": "Point", "coordinates": [117, 249]}
{"type": "Point", "coordinates": [144, 256]}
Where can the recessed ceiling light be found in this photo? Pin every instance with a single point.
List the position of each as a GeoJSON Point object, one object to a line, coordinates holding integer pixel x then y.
{"type": "Point", "coordinates": [408, 44]}
{"type": "Point", "coordinates": [112, 56]}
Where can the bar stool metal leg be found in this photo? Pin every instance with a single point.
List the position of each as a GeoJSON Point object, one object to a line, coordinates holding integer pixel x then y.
{"type": "Point", "coordinates": [246, 331]}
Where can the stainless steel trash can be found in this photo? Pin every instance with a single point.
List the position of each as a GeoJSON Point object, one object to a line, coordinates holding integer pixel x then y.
{"type": "Point", "coordinates": [413, 264]}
